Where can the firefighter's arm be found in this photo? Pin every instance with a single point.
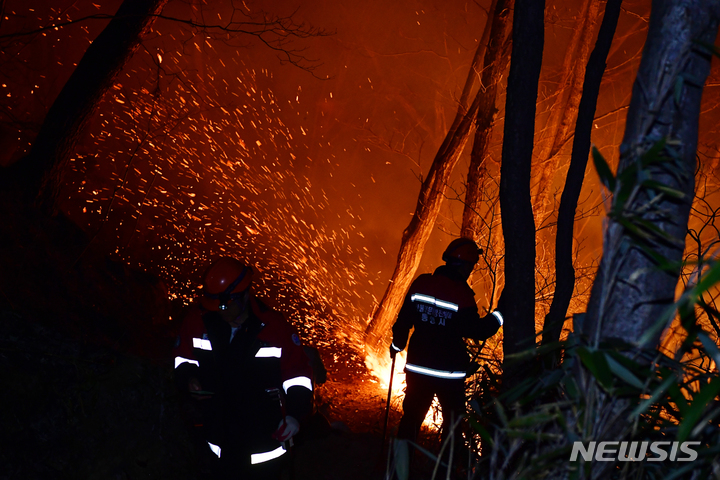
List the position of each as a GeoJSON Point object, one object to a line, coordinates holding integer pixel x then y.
{"type": "Point", "coordinates": [186, 365]}
{"type": "Point", "coordinates": [296, 375]}
{"type": "Point", "coordinates": [477, 327]}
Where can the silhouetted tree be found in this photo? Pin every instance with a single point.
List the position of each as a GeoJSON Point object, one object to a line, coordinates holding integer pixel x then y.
{"type": "Point", "coordinates": [41, 172]}
{"type": "Point", "coordinates": [430, 199]}
{"type": "Point", "coordinates": [652, 195]}
{"type": "Point", "coordinates": [564, 270]}
{"type": "Point", "coordinates": [518, 297]}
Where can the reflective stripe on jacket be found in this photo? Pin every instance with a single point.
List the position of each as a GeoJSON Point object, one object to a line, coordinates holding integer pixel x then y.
{"type": "Point", "coordinates": [441, 307]}
{"type": "Point", "coordinates": [249, 372]}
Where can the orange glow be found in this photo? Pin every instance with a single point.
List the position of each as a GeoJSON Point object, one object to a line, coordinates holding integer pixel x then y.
{"type": "Point", "coordinates": [380, 368]}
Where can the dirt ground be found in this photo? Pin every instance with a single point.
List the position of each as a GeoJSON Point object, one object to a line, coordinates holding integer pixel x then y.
{"type": "Point", "coordinates": [345, 438]}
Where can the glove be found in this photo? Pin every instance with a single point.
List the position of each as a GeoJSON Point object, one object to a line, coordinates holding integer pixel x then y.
{"type": "Point", "coordinates": [287, 428]}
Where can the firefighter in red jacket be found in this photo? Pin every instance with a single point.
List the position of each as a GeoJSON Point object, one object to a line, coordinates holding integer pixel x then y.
{"type": "Point", "coordinates": [245, 366]}
{"type": "Point", "coordinates": [441, 307]}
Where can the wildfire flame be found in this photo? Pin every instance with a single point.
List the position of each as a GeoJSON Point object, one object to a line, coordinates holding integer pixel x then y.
{"type": "Point", "coordinates": [380, 368]}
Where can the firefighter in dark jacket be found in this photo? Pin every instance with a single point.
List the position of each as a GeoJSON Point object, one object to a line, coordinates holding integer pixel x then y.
{"type": "Point", "coordinates": [441, 307]}
{"type": "Point", "coordinates": [245, 366]}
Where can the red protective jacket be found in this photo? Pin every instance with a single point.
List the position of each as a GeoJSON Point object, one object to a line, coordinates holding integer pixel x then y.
{"type": "Point", "coordinates": [442, 309]}
{"type": "Point", "coordinates": [250, 371]}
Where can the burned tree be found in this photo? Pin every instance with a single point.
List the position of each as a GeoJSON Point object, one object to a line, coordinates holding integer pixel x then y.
{"type": "Point", "coordinates": [493, 66]}
{"type": "Point", "coordinates": [416, 234]}
{"type": "Point", "coordinates": [518, 297]}
{"type": "Point", "coordinates": [630, 293]}
{"type": "Point", "coordinates": [564, 270]}
{"type": "Point", "coordinates": [633, 296]}
{"type": "Point", "coordinates": [564, 110]}
{"type": "Point", "coordinates": [40, 173]}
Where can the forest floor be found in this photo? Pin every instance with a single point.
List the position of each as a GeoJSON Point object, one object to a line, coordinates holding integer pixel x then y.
{"type": "Point", "coordinates": [76, 410]}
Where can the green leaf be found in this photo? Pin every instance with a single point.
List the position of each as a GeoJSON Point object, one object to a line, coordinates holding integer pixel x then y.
{"type": "Point", "coordinates": [679, 399]}
{"type": "Point", "coordinates": [481, 430]}
{"type": "Point", "coordinates": [707, 48]}
{"type": "Point", "coordinates": [679, 82]}
{"type": "Point", "coordinates": [696, 409]}
{"type": "Point", "coordinates": [572, 389]}
{"type": "Point", "coordinates": [501, 413]}
{"type": "Point", "coordinates": [427, 453]}
{"type": "Point", "coordinates": [659, 324]}
{"type": "Point", "coordinates": [654, 153]}
{"type": "Point", "coordinates": [663, 188]}
{"type": "Point", "coordinates": [633, 229]}
{"type": "Point", "coordinates": [622, 372]}
{"type": "Point", "coordinates": [627, 183]}
{"type": "Point", "coordinates": [519, 391]}
{"type": "Point", "coordinates": [710, 346]}
{"type": "Point", "coordinates": [660, 390]}
{"type": "Point", "coordinates": [658, 233]}
{"type": "Point", "coordinates": [603, 169]}
{"type": "Point", "coordinates": [681, 472]}
{"type": "Point", "coordinates": [596, 363]}
{"type": "Point", "coordinates": [710, 278]}
{"type": "Point", "coordinates": [531, 420]}
{"type": "Point", "coordinates": [401, 459]}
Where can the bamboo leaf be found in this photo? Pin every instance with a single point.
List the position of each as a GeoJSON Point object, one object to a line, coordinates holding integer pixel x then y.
{"type": "Point", "coordinates": [679, 399]}
{"type": "Point", "coordinates": [680, 472]}
{"type": "Point", "coordinates": [401, 459]}
{"type": "Point", "coordinates": [710, 347]}
{"type": "Point", "coordinates": [531, 420]}
{"type": "Point", "coordinates": [427, 453]}
{"type": "Point", "coordinates": [622, 372]}
{"type": "Point", "coordinates": [667, 315]}
{"type": "Point", "coordinates": [596, 363]}
{"type": "Point", "coordinates": [696, 409]}
{"type": "Point", "coordinates": [710, 278]}
{"type": "Point", "coordinates": [655, 231]}
{"type": "Point", "coordinates": [654, 153]}
{"type": "Point", "coordinates": [572, 389]}
{"type": "Point", "coordinates": [660, 390]}
{"type": "Point", "coordinates": [627, 184]}
{"type": "Point", "coordinates": [603, 169]}
{"type": "Point", "coordinates": [482, 431]}
{"type": "Point", "coordinates": [679, 82]}
{"type": "Point", "coordinates": [663, 188]}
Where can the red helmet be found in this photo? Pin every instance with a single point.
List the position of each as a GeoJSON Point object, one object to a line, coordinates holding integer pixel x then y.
{"type": "Point", "coordinates": [462, 249]}
{"type": "Point", "coordinates": [227, 279]}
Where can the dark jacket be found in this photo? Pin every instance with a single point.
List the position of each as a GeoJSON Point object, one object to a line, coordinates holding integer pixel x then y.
{"type": "Point", "coordinates": [247, 375]}
{"type": "Point", "coordinates": [442, 309]}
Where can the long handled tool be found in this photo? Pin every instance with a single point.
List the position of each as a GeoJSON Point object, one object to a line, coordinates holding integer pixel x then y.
{"type": "Point", "coordinates": [387, 407]}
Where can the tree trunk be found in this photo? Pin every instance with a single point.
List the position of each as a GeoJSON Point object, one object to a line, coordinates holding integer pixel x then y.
{"type": "Point", "coordinates": [428, 205]}
{"type": "Point", "coordinates": [417, 233]}
{"type": "Point", "coordinates": [41, 172]}
{"type": "Point", "coordinates": [564, 271]}
{"type": "Point", "coordinates": [517, 215]}
{"type": "Point", "coordinates": [565, 108]}
{"type": "Point", "coordinates": [493, 66]}
{"type": "Point", "coordinates": [630, 293]}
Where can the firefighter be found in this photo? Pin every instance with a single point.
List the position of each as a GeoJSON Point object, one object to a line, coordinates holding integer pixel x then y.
{"type": "Point", "coordinates": [441, 307]}
{"type": "Point", "coordinates": [246, 368]}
